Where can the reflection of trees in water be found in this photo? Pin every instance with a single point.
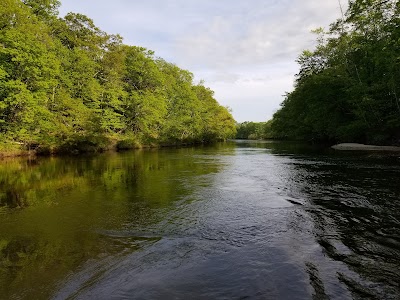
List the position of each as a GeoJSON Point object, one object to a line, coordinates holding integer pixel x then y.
{"type": "Point", "coordinates": [30, 266]}
{"type": "Point", "coordinates": [316, 282]}
{"type": "Point", "coordinates": [354, 205]}
{"type": "Point", "coordinates": [13, 199]}
{"type": "Point", "coordinates": [24, 182]}
{"type": "Point", "coordinates": [64, 200]}
{"type": "Point", "coordinates": [14, 252]}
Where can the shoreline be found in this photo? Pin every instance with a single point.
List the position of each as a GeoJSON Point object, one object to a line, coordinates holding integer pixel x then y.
{"type": "Point", "coordinates": [16, 152]}
{"type": "Point", "coordinates": [363, 147]}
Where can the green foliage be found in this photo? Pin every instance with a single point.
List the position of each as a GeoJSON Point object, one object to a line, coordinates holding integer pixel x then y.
{"type": "Point", "coordinates": [43, 8]}
{"type": "Point", "coordinates": [66, 85]}
{"type": "Point", "coordinates": [254, 130]}
{"type": "Point", "coordinates": [348, 87]}
{"type": "Point", "coordinates": [128, 144]}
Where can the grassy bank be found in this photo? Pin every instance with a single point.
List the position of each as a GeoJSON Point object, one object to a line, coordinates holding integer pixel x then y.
{"type": "Point", "coordinates": [12, 149]}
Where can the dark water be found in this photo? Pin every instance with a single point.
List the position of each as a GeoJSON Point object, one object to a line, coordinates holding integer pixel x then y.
{"type": "Point", "coordinates": [232, 221]}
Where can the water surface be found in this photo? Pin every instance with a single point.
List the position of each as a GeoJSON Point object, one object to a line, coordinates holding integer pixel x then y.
{"type": "Point", "coordinates": [240, 220]}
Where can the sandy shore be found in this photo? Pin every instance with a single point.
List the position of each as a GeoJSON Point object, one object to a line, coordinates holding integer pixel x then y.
{"type": "Point", "coordinates": [362, 147]}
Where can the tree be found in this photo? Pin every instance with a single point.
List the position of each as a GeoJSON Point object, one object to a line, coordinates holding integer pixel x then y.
{"type": "Point", "coordinates": [67, 85]}
{"type": "Point", "coordinates": [347, 88]}
{"type": "Point", "coordinates": [44, 9]}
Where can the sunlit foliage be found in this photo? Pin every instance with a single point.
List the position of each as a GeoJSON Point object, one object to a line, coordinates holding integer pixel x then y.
{"type": "Point", "coordinates": [66, 85]}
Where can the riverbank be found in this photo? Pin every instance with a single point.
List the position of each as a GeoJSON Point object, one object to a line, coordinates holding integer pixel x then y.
{"type": "Point", "coordinates": [362, 147]}
{"type": "Point", "coordinates": [13, 149]}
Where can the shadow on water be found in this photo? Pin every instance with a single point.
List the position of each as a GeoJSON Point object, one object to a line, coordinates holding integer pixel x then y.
{"type": "Point", "coordinates": [353, 203]}
{"type": "Point", "coordinates": [239, 220]}
{"type": "Point", "coordinates": [58, 214]}
{"type": "Point", "coordinates": [355, 206]}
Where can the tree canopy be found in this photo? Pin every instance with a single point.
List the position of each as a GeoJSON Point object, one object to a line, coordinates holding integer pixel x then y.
{"type": "Point", "coordinates": [67, 85]}
{"type": "Point", "coordinates": [348, 87]}
{"type": "Point", "coordinates": [254, 130]}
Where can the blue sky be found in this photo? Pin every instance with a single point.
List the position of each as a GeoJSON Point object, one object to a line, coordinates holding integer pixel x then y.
{"type": "Point", "coordinates": [244, 50]}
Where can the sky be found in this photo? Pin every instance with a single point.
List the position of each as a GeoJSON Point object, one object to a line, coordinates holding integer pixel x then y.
{"type": "Point", "coordinates": [244, 50]}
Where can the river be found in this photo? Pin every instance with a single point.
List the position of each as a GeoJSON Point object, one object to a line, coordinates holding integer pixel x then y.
{"type": "Point", "coordinates": [238, 220]}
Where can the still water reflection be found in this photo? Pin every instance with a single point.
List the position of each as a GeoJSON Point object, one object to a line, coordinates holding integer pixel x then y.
{"type": "Point", "coordinates": [233, 221]}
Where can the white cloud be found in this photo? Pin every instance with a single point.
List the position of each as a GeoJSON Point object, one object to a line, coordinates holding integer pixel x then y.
{"type": "Point", "coordinates": [274, 33]}
{"type": "Point", "coordinates": [245, 50]}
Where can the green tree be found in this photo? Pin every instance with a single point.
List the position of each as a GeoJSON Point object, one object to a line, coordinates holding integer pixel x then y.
{"type": "Point", "coordinates": [67, 85]}
{"type": "Point", "coordinates": [347, 88]}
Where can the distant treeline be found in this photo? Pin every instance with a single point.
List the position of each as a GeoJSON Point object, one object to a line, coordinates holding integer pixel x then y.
{"type": "Point", "coordinates": [66, 85]}
{"type": "Point", "coordinates": [254, 130]}
{"type": "Point", "coordinates": [348, 88]}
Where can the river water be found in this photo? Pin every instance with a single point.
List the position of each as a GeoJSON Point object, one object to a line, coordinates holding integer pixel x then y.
{"type": "Point", "coordinates": [240, 220]}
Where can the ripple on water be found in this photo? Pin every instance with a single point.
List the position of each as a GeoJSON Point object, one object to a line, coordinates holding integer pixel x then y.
{"type": "Point", "coordinates": [256, 221]}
